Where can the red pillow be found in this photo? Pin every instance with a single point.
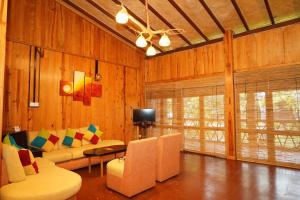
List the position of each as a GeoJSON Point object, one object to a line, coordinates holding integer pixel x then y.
{"type": "Point", "coordinates": [28, 162]}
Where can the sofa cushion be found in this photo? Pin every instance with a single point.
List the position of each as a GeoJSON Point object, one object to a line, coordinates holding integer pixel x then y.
{"type": "Point", "coordinates": [28, 162]}
{"type": "Point", "coordinates": [92, 134]}
{"type": "Point", "coordinates": [60, 155]}
{"type": "Point", "coordinates": [73, 138]}
{"type": "Point", "coordinates": [14, 167]}
{"type": "Point", "coordinates": [44, 163]}
{"type": "Point", "coordinates": [51, 183]}
{"type": "Point", "coordinates": [8, 139]}
{"type": "Point", "coordinates": [45, 140]}
{"type": "Point", "coordinates": [61, 134]}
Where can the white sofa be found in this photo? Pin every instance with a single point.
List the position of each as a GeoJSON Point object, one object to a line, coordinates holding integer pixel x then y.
{"type": "Point", "coordinates": [72, 158]}
{"type": "Point", "coordinates": [51, 183]}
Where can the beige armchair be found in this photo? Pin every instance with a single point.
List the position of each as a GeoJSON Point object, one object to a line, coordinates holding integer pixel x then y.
{"type": "Point", "coordinates": [137, 172]}
{"type": "Point", "coordinates": [168, 156]}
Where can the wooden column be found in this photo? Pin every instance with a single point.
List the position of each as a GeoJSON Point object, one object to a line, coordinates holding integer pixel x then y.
{"type": "Point", "coordinates": [3, 15]}
{"type": "Point", "coordinates": [229, 96]}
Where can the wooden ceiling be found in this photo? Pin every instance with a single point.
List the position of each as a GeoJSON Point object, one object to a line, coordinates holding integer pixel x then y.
{"type": "Point", "coordinates": [204, 21]}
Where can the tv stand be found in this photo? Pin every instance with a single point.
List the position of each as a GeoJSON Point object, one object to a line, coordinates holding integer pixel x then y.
{"type": "Point", "coordinates": [143, 129]}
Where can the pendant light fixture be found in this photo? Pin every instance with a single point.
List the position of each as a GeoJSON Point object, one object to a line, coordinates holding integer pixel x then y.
{"type": "Point", "coordinates": [164, 41]}
{"type": "Point", "coordinates": [141, 41]}
{"type": "Point", "coordinates": [151, 51]}
{"type": "Point", "coordinates": [123, 17]}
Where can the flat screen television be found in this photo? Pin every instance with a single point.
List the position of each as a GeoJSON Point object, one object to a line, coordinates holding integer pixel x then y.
{"type": "Point", "coordinates": [143, 115]}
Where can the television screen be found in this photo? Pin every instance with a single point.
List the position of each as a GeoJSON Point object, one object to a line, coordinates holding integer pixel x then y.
{"type": "Point", "coordinates": [143, 115]}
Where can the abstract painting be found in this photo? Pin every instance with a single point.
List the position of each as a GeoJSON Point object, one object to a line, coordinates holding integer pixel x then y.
{"type": "Point", "coordinates": [82, 88]}
{"type": "Point", "coordinates": [66, 88]}
{"type": "Point", "coordinates": [78, 86]}
{"type": "Point", "coordinates": [87, 91]}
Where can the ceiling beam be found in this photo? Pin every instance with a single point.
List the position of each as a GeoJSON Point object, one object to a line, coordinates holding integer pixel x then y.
{"type": "Point", "coordinates": [238, 10]}
{"type": "Point", "coordinates": [98, 7]}
{"type": "Point", "coordinates": [190, 21]}
{"type": "Point", "coordinates": [165, 21]}
{"type": "Point", "coordinates": [269, 11]}
{"type": "Point", "coordinates": [211, 14]}
{"type": "Point", "coordinates": [88, 15]}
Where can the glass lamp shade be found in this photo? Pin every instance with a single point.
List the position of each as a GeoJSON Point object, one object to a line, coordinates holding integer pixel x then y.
{"type": "Point", "coordinates": [164, 41]}
{"type": "Point", "coordinates": [141, 41]}
{"type": "Point", "coordinates": [150, 51]}
{"type": "Point", "coordinates": [122, 16]}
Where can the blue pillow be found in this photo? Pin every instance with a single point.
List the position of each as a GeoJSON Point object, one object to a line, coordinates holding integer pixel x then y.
{"type": "Point", "coordinates": [68, 141]}
{"type": "Point", "coordinates": [8, 139]}
{"type": "Point", "coordinates": [38, 142]}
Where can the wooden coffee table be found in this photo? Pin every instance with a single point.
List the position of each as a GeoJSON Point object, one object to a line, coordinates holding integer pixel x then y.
{"type": "Point", "coordinates": [102, 151]}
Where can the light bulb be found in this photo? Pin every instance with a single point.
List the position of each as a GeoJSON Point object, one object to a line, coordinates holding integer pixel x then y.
{"type": "Point", "coordinates": [150, 51]}
{"type": "Point", "coordinates": [141, 41]}
{"type": "Point", "coordinates": [164, 41]}
{"type": "Point", "coordinates": [122, 16]}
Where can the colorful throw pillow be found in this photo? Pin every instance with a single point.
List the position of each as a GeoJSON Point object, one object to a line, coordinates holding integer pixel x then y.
{"type": "Point", "coordinates": [92, 134]}
{"type": "Point", "coordinates": [45, 140]}
{"type": "Point", "coordinates": [73, 138]}
{"type": "Point", "coordinates": [9, 140]}
{"type": "Point", "coordinates": [28, 162]}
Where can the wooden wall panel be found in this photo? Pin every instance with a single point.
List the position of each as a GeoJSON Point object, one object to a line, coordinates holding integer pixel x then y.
{"type": "Point", "coordinates": [272, 48]}
{"type": "Point", "coordinates": [210, 59]}
{"type": "Point", "coordinates": [48, 24]}
{"type": "Point", "coordinates": [269, 47]}
{"type": "Point", "coordinates": [291, 37]}
{"type": "Point", "coordinates": [110, 111]}
{"type": "Point", "coordinates": [132, 91]}
{"type": "Point", "coordinates": [50, 101]}
{"type": "Point", "coordinates": [16, 92]}
{"type": "Point", "coordinates": [191, 63]}
{"type": "Point", "coordinates": [3, 18]}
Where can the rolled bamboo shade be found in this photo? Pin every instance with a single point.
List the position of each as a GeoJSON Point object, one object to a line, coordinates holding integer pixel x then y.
{"type": "Point", "coordinates": [268, 116]}
{"type": "Point", "coordinates": [193, 107]}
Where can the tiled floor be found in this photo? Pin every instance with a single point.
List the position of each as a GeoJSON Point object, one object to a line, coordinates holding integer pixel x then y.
{"type": "Point", "coordinates": [204, 177]}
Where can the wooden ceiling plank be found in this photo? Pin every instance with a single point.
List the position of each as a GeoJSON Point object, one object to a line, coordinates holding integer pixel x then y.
{"type": "Point", "coordinates": [188, 19]}
{"type": "Point", "coordinates": [281, 24]}
{"type": "Point", "coordinates": [211, 14]}
{"type": "Point", "coordinates": [165, 21]}
{"type": "Point", "coordinates": [269, 11]}
{"type": "Point", "coordinates": [265, 28]}
{"type": "Point", "coordinates": [77, 8]}
{"type": "Point", "coordinates": [238, 10]}
{"type": "Point", "coordinates": [98, 7]}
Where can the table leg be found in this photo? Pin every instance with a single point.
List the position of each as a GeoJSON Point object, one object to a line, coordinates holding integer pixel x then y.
{"type": "Point", "coordinates": [101, 167]}
{"type": "Point", "coordinates": [90, 163]}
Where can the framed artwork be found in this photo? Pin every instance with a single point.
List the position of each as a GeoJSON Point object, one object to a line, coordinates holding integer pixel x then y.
{"type": "Point", "coordinates": [78, 93]}
{"type": "Point", "coordinates": [66, 88]}
{"type": "Point", "coordinates": [82, 88]}
{"type": "Point", "coordinates": [87, 91]}
{"type": "Point", "coordinates": [96, 90]}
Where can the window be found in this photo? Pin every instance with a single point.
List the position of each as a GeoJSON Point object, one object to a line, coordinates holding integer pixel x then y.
{"type": "Point", "coordinates": [268, 117]}
{"type": "Point", "coordinates": [197, 112]}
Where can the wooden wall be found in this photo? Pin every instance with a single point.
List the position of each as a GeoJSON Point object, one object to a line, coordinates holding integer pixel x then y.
{"type": "Point", "coordinates": [70, 43]}
{"type": "Point", "coordinates": [275, 47]}
{"type": "Point", "coordinates": [186, 64]}
{"type": "Point", "coordinates": [3, 18]}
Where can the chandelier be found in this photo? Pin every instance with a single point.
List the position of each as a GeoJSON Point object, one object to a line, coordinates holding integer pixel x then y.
{"type": "Point", "coordinates": [146, 34]}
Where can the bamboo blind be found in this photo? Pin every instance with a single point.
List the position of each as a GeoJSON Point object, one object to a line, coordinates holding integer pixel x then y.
{"type": "Point", "coordinates": [194, 108]}
{"type": "Point", "coordinates": [268, 116]}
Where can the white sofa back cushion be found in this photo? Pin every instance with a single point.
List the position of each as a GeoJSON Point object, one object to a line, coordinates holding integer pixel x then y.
{"type": "Point", "coordinates": [14, 166]}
